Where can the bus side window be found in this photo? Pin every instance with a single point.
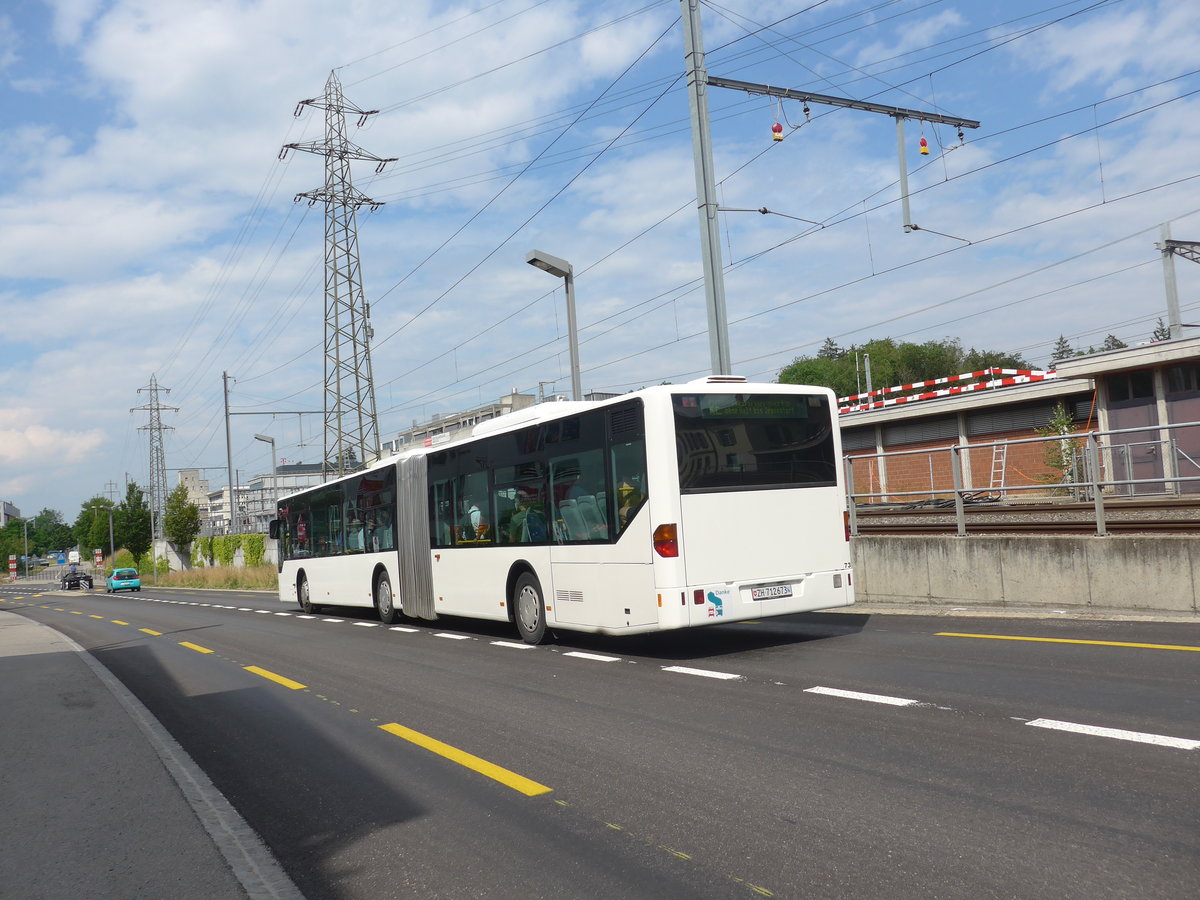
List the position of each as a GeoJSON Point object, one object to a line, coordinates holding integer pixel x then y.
{"type": "Point", "coordinates": [577, 490]}
{"type": "Point", "coordinates": [441, 513]}
{"type": "Point", "coordinates": [475, 519]}
{"type": "Point", "coordinates": [628, 462]}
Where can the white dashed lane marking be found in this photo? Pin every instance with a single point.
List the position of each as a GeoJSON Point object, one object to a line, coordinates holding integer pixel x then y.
{"type": "Point", "coordinates": [703, 673]}
{"type": "Point", "coordinates": [857, 695]}
{"type": "Point", "coordinates": [1119, 734]}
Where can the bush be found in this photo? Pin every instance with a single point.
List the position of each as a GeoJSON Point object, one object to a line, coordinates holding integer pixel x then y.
{"type": "Point", "coordinates": [122, 559]}
{"type": "Point", "coordinates": [202, 552]}
{"type": "Point", "coordinates": [225, 547]}
{"type": "Point", "coordinates": [254, 547]}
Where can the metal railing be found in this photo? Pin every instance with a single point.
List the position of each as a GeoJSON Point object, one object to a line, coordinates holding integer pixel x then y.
{"type": "Point", "coordinates": [1092, 467]}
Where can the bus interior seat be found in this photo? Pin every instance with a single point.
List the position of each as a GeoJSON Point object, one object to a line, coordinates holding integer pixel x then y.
{"type": "Point", "coordinates": [592, 520]}
{"type": "Point", "coordinates": [576, 527]}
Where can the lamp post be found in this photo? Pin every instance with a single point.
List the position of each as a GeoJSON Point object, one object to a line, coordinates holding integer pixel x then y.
{"type": "Point", "coordinates": [560, 268]}
{"type": "Point", "coordinates": [25, 530]}
{"type": "Point", "coordinates": [274, 467]}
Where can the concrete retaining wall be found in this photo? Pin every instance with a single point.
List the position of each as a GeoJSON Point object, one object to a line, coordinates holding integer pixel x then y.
{"type": "Point", "coordinates": [1117, 573]}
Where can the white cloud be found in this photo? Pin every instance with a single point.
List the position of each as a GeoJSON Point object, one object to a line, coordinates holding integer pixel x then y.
{"type": "Point", "coordinates": [1156, 38]}
{"type": "Point", "coordinates": [24, 440]}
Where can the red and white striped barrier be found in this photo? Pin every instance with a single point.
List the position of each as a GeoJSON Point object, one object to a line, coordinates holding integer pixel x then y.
{"type": "Point", "coordinates": [1011, 377]}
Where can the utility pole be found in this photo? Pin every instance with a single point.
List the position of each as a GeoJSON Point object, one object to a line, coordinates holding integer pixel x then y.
{"type": "Point", "coordinates": [1170, 249]}
{"type": "Point", "coordinates": [228, 452]}
{"type": "Point", "coordinates": [158, 460]}
{"type": "Point", "coordinates": [110, 490]}
{"type": "Point", "coordinates": [351, 425]}
{"type": "Point", "coordinates": [706, 199]}
{"type": "Point", "coordinates": [706, 190]}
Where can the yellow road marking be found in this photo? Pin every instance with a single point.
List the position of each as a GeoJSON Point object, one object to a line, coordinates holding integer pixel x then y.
{"type": "Point", "coordinates": [195, 647]}
{"type": "Point", "coordinates": [1009, 637]}
{"type": "Point", "coordinates": [278, 679]}
{"type": "Point", "coordinates": [151, 631]}
{"type": "Point", "coordinates": [76, 612]}
{"type": "Point", "coordinates": [95, 617]}
{"type": "Point", "coordinates": [482, 766]}
{"type": "Point", "coordinates": [119, 622]}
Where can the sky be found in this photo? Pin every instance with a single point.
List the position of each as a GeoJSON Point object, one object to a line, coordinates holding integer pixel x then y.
{"type": "Point", "coordinates": [151, 235]}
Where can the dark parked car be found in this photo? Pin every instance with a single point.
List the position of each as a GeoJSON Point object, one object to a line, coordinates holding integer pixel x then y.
{"type": "Point", "coordinates": [75, 581]}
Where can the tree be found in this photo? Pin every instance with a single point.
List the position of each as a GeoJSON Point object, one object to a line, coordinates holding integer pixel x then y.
{"type": "Point", "coordinates": [1062, 350]}
{"type": "Point", "coordinates": [181, 521]}
{"type": "Point", "coordinates": [48, 531]}
{"type": "Point", "coordinates": [1161, 331]}
{"type": "Point", "coordinates": [830, 350]}
{"type": "Point", "coordinates": [132, 522]}
{"type": "Point", "coordinates": [1112, 342]}
{"type": "Point", "coordinates": [91, 525]}
{"type": "Point", "coordinates": [12, 542]}
{"type": "Point", "coordinates": [1059, 455]}
{"type": "Point", "coordinates": [891, 363]}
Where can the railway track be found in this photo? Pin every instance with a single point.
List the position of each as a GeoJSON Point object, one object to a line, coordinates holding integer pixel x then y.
{"type": "Point", "coordinates": [1138, 516]}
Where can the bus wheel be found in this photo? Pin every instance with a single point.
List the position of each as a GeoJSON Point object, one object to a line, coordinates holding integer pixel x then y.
{"type": "Point", "coordinates": [529, 610]}
{"type": "Point", "coordinates": [304, 596]}
{"type": "Point", "coordinates": [385, 603]}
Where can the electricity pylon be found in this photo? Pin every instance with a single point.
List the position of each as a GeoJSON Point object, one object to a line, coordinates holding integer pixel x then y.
{"type": "Point", "coordinates": [351, 425]}
{"type": "Point", "coordinates": [158, 457]}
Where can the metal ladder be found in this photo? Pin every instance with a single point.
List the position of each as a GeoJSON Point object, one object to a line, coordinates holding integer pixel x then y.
{"type": "Point", "coordinates": [999, 466]}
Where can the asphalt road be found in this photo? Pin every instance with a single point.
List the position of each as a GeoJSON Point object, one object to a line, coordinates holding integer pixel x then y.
{"type": "Point", "coordinates": [821, 755]}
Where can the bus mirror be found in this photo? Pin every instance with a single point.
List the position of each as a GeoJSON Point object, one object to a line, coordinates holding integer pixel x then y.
{"type": "Point", "coordinates": [273, 529]}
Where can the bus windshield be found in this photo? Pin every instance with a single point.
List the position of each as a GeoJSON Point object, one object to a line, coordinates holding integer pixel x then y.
{"type": "Point", "coordinates": [736, 442]}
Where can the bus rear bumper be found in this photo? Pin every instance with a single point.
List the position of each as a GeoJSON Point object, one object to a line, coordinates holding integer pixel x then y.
{"type": "Point", "coordinates": [709, 604]}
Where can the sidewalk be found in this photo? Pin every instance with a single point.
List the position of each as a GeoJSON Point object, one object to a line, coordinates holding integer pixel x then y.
{"type": "Point", "coordinates": [98, 800]}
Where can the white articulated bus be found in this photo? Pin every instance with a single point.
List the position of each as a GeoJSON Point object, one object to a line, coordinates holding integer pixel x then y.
{"type": "Point", "coordinates": [669, 507]}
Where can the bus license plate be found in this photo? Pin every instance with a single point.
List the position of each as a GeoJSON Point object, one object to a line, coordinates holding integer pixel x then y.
{"type": "Point", "coordinates": [771, 592]}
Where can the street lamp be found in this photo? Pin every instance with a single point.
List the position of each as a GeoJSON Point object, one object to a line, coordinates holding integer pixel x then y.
{"type": "Point", "coordinates": [274, 472]}
{"type": "Point", "coordinates": [25, 529]}
{"type": "Point", "coordinates": [271, 441]}
{"type": "Point", "coordinates": [560, 268]}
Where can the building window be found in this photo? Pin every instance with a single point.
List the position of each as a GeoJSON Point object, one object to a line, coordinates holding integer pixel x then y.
{"type": "Point", "coordinates": [1183, 379]}
{"type": "Point", "coordinates": [1124, 387]}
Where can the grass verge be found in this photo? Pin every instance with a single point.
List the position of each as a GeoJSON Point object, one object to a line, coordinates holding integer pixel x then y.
{"type": "Point", "coordinates": [237, 578]}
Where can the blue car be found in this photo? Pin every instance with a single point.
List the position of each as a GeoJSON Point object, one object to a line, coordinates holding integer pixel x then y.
{"type": "Point", "coordinates": [124, 580]}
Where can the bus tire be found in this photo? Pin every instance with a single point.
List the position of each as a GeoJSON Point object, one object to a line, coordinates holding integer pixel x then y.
{"type": "Point", "coordinates": [529, 610]}
{"type": "Point", "coordinates": [304, 595]}
{"type": "Point", "coordinates": [385, 600]}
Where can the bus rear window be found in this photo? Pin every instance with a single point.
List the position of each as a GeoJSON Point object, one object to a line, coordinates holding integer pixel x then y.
{"type": "Point", "coordinates": [753, 441]}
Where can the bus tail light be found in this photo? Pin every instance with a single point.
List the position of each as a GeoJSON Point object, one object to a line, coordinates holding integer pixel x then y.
{"type": "Point", "coordinates": [666, 541]}
{"type": "Point", "coordinates": [846, 523]}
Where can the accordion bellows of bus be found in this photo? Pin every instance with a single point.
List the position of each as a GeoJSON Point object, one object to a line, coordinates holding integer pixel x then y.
{"type": "Point", "coordinates": [670, 507]}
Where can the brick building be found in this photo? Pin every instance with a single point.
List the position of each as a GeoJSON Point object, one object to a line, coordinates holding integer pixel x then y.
{"type": "Point", "coordinates": [1136, 394]}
